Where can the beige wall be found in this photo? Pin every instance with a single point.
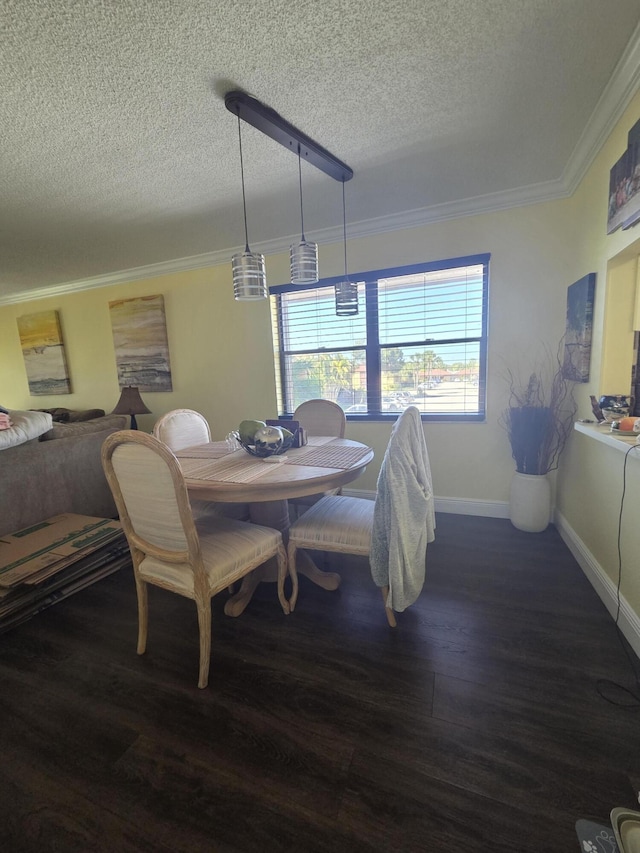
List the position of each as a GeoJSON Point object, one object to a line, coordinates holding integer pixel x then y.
{"type": "Point", "coordinates": [222, 363]}
{"type": "Point", "coordinates": [590, 483]}
{"type": "Point", "coordinates": [221, 354]}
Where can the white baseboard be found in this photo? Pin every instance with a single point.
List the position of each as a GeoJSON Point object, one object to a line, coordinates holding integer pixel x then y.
{"type": "Point", "coordinates": [456, 506]}
{"type": "Point", "coordinates": [628, 621]}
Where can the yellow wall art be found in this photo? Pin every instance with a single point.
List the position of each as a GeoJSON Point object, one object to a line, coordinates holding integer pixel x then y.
{"type": "Point", "coordinates": [43, 352]}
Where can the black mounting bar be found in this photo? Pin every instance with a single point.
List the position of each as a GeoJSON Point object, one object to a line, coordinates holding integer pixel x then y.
{"type": "Point", "coordinates": [272, 124]}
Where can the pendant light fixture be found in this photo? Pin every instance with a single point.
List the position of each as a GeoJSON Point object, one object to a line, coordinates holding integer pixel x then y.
{"type": "Point", "coordinates": [346, 292]}
{"type": "Point", "coordinates": [304, 256]}
{"type": "Point", "coordinates": [249, 280]}
{"type": "Point", "coordinates": [249, 277]}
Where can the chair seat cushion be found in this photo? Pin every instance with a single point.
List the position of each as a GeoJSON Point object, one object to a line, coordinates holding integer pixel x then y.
{"type": "Point", "coordinates": [227, 547]}
{"type": "Point", "coordinates": [335, 523]}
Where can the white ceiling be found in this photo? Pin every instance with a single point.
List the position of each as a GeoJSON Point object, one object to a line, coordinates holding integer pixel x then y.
{"type": "Point", "coordinates": [118, 152]}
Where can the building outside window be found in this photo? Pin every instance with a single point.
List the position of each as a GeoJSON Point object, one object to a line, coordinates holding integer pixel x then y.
{"type": "Point", "coordinates": [420, 338]}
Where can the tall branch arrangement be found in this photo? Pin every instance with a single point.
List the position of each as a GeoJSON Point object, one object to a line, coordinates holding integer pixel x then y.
{"type": "Point", "coordinates": [540, 415]}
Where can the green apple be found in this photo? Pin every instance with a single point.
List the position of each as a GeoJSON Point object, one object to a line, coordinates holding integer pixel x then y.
{"type": "Point", "coordinates": [248, 429]}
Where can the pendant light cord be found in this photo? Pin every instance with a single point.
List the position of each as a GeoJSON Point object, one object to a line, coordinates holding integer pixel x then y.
{"type": "Point", "coordinates": [244, 201]}
{"type": "Point", "coordinates": [344, 232]}
{"type": "Point", "coordinates": [301, 207]}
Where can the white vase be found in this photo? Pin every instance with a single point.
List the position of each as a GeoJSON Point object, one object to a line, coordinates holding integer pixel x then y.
{"type": "Point", "coordinates": [530, 502]}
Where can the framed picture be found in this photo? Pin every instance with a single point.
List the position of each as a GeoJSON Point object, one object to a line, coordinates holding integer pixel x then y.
{"type": "Point", "coordinates": [140, 339]}
{"type": "Point", "coordinates": [43, 353]}
{"type": "Point", "coordinates": [577, 341]}
{"type": "Point", "coordinates": [624, 186]}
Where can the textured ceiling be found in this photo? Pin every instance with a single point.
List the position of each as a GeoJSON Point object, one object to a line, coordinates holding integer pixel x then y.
{"type": "Point", "coordinates": [117, 151]}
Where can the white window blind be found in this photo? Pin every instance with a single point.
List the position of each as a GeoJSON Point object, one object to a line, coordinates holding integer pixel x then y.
{"type": "Point", "coordinates": [419, 339]}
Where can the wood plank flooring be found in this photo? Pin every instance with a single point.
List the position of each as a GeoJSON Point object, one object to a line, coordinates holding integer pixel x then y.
{"type": "Point", "coordinates": [475, 726]}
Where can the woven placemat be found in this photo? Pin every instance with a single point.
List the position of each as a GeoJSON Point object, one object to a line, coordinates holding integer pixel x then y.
{"type": "Point", "coordinates": [213, 450]}
{"type": "Point", "coordinates": [232, 470]}
{"type": "Point", "coordinates": [335, 456]}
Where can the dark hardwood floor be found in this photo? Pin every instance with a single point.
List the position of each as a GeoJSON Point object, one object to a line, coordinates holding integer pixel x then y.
{"type": "Point", "coordinates": [475, 726]}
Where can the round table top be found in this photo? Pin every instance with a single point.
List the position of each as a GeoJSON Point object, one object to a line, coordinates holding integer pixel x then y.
{"type": "Point", "coordinates": [214, 473]}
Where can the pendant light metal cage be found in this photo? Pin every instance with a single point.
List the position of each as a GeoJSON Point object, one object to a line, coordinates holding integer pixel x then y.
{"type": "Point", "coordinates": [249, 276]}
{"type": "Point", "coordinates": [346, 299]}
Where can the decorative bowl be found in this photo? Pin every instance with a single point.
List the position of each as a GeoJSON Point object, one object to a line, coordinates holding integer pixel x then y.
{"type": "Point", "coordinates": [262, 450]}
{"type": "Point", "coordinates": [611, 415]}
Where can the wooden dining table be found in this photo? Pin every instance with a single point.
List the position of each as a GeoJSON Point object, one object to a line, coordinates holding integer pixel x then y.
{"type": "Point", "coordinates": [217, 472]}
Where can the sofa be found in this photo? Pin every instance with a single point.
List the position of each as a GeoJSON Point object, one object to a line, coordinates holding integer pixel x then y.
{"type": "Point", "coordinates": [57, 471]}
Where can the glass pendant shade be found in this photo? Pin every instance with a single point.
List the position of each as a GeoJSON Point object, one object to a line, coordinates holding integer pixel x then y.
{"type": "Point", "coordinates": [304, 262]}
{"type": "Point", "coordinates": [346, 299]}
{"type": "Point", "coordinates": [249, 276]}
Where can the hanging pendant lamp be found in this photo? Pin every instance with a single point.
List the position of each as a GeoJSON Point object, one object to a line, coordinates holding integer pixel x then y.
{"type": "Point", "coordinates": [249, 277]}
{"type": "Point", "coordinates": [304, 255]}
{"type": "Point", "coordinates": [346, 292]}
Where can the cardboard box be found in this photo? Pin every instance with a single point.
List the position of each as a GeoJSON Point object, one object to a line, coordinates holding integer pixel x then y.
{"type": "Point", "coordinates": [35, 553]}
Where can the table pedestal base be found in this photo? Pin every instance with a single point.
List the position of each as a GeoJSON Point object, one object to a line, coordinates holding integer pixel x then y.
{"type": "Point", "coordinates": [276, 514]}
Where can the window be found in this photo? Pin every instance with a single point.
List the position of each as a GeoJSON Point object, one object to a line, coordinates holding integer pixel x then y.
{"type": "Point", "coordinates": [419, 339]}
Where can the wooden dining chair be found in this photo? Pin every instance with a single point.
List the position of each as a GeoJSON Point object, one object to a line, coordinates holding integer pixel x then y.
{"type": "Point", "coordinates": [393, 530]}
{"type": "Point", "coordinates": [182, 428]}
{"type": "Point", "coordinates": [171, 550]}
{"type": "Point", "coordinates": [319, 417]}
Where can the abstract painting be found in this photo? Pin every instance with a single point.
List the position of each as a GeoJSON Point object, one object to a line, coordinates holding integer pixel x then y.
{"type": "Point", "coordinates": [44, 355]}
{"type": "Point", "coordinates": [140, 339]}
{"type": "Point", "coordinates": [577, 341]}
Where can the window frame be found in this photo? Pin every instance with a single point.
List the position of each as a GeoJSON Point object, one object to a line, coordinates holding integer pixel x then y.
{"type": "Point", "coordinates": [373, 348]}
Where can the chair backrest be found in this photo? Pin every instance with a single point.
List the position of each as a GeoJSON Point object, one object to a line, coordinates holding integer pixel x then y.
{"type": "Point", "coordinates": [151, 497]}
{"type": "Point", "coordinates": [182, 428]}
{"type": "Point", "coordinates": [321, 417]}
{"type": "Point", "coordinates": [404, 517]}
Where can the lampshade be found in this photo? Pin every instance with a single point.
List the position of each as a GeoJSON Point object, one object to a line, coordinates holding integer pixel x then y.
{"type": "Point", "coordinates": [304, 255]}
{"type": "Point", "coordinates": [346, 299]}
{"type": "Point", "coordinates": [304, 262]}
{"type": "Point", "coordinates": [346, 292]}
{"type": "Point", "coordinates": [130, 403]}
{"type": "Point", "coordinates": [249, 276]}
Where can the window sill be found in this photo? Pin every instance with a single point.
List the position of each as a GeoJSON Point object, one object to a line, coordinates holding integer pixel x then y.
{"type": "Point", "coordinates": [605, 436]}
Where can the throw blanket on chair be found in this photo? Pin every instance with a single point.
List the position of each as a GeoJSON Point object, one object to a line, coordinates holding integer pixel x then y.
{"type": "Point", "coordinates": [404, 516]}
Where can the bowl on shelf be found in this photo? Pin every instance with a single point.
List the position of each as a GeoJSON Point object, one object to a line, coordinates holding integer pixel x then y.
{"type": "Point", "coordinates": [611, 415]}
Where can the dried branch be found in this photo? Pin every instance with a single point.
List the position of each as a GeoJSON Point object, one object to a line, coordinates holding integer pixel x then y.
{"type": "Point", "coordinates": [540, 415]}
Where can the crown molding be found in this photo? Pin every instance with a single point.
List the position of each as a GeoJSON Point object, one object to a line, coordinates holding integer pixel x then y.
{"type": "Point", "coordinates": [616, 97]}
{"type": "Point", "coordinates": [491, 202]}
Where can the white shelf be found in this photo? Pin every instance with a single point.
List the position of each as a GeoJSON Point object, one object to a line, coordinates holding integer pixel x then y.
{"type": "Point", "coordinates": [606, 436]}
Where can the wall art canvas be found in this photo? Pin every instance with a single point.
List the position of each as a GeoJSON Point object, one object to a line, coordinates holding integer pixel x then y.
{"type": "Point", "coordinates": [43, 352]}
{"type": "Point", "coordinates": [140, 339]}
{"type": "Point", "coordinates": [624, 186]}
{"type": "Point", "coordinates": [577, 341]}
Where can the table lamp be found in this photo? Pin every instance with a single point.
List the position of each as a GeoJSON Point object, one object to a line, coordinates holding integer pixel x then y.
{"type": "Point", "coordinates": [130, 403]}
